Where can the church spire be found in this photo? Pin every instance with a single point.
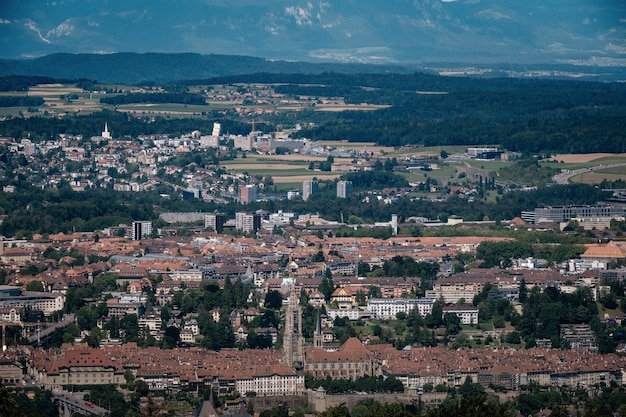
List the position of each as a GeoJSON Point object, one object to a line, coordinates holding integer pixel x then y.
{"type": "Point", "coordinates": [318, 336]}
{"type": "Point", "coordinates": [293, 343]}
{"type": "Point", "coordinates": [105, 133]}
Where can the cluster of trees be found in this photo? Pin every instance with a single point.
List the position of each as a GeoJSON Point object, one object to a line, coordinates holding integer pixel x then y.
{"type": "Point", "coordinates": [20, 101]}
{"type": "Point", "coordinates": [376, 179]}
{"type": "Point", "coordinates": [26, 402]}
{"type": "Point", "coordinates": [406, 266]}
{"type": "Point", "coordinates": [61, 209]}
{"type": "Point", "coordinates": [500, 254]}
{"type": "Point", "coordinates": [23, 82]}
{"type": "Point", "coordinates": [412, 328]}
{"type": "Point", "coordinates": [609, 400]}
{"type": "Point", "coordinates": [202, 301]}
{"type": "Point", "coordinates": [493, 306]}
{"type": "Point", "coordinates": [545, 311]}
{"type": "Point", "coordinates": [470, 400]}
{"type": "Point", "coordinates": [369, 384]}
{"type": "Point", "coordinates": [521, 115]}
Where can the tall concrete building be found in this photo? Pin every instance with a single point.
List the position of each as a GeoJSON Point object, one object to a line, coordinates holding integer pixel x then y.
{"type": "Point", "coordinates": [248, 194]}
{"type": "Point", "coordinates": [309, 187]}
{"type": "Point", "coordinates": [141, 230]}
{"type": "Point", "coordinates": [214, 221]}
{"type": "Point", "coordinates": [344, 189]}
{"type": "Point", "coordinates": [247, 223]}
{"type": "Point", "coordinates": [217, 129]}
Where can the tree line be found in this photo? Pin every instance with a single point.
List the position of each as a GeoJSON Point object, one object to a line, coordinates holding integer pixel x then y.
{"type": "Point", "coordinates": [20, 101]}
{"type": "Point", "coordinates": [131, 98]}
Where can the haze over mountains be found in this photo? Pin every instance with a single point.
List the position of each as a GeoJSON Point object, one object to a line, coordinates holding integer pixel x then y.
{"type": "Point", "coordinates": [372, 31]}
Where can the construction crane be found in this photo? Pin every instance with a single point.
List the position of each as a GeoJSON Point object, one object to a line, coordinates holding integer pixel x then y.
{"type": "Point", "coordinates": [21, 324]}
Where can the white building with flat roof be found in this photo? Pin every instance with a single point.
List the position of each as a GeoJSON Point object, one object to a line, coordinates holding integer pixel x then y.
{"type": "Point", "coordinates": [387, 308]}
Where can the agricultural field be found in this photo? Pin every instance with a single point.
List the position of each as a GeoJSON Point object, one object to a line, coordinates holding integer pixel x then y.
{"type": "Point", "coordinates": [595, 177]}
{"type": "Point", "coordinates": [594, 168]}
{"type": "Point", "coordinates": [170, 109]}
{"type": "Point", "coordinates": [284, 169]}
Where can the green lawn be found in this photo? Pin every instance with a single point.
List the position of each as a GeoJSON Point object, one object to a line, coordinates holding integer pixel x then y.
{"type": "Point", "coordinates": [443, 175]}
{"type": "Point", "coordinates": [489, 165]}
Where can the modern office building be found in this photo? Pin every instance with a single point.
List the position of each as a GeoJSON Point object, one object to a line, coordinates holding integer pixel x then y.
{"type": "Point", "coordinates": [344, 189]}
{"type": "Point", "coordinates": [309, 187]}
{"type": "Point", "coordinates": [566, 213]}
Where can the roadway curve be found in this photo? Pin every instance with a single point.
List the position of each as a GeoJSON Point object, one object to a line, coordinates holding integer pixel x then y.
{"type": "Point", "coordinates": [564, 177]}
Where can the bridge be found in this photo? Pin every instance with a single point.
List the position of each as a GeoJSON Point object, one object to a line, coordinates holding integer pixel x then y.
{"type": "Point", "coordinates": [71, 406]}
{"type": "Point", "coordinates": [41, 336]}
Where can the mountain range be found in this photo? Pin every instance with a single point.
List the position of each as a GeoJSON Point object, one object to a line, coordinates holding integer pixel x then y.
{"type": "Point", "coordinates": [363, 31]}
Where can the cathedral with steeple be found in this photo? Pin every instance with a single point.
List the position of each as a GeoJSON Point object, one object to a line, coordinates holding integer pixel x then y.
{"type": "Point", "coordinates": [351, 361]}
{"type": "Point", "coordinates": [293, 341]}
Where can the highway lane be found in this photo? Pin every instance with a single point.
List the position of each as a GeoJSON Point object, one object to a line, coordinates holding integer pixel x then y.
{"type": "Point", "coordinates": [564, 177]}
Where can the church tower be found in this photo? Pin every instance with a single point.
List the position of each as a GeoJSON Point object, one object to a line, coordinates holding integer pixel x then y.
{"type": "Point", "coordinates": [293, 344]}
{"type": "Point", "coordinates": [318, 336]}
{"type": "Point", "coordinates": [105, 133]}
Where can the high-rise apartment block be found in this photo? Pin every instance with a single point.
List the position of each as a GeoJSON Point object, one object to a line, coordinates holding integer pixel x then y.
{"type": "Point", "coordinates": [344, 189]}
{"type": "Point", "coordinates": [247, 223]}
{"type": "Point", "coordinates": [217, 129]}
{"type": "Point", "coordinates": [309, 187]}
{"type": "Point", "coordinates": [214, 221]}
{"type": "Point", "coordinates": [248, 194]}
{"type": "Point", "coordinates": [141, 230]}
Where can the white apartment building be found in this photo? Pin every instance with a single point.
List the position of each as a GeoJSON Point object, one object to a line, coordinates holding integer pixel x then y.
{"type": "Point", "coordinates": [468, 314]}
{"type": "Point", "coordinates": [271, 381]}
{"type": "Point", "coordinates": [246, 222]}
{"type": "Point", "coordinates": [151, 322]}
{"type": "Point", "coordinates": [187, 275]}
{"type": "Point", "coordinates": [387, 308]}
{"type": "Point", "coordinates": [453, 292]}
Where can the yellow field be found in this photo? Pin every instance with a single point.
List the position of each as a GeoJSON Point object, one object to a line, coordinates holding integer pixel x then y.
{"type": "Point", "coordinates": [582, 158]}
{"type": "Point", "coordinates": [300, 178]}
{"type": "Point", "coordinates": [595, 177]}
{"type": "Point", "coordinates": [47, 90]}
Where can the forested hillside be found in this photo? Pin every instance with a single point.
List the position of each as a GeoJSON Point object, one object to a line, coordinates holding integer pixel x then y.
{"type": "Point", "coordinates": [520, 115]}
{"type": "Point", "coordinates": [523, 115]}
